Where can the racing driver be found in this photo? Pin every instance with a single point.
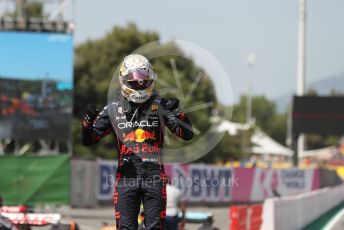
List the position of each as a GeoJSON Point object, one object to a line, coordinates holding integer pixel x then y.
{"type": "Point", "coordinates": [137, 118]}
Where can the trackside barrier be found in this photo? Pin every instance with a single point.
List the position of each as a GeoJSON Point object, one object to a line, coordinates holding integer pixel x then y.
{"type": "Point", "coordinates": [242, 185]}
{"type": "Point", "coordinates": [237, 216]}
{"type": "Point", "coordinates": [296, 212]}
{"type": "Point", "coordinates": [244, 217]}
{"type": "Point", "coordinates": [255, 217]}
{"type": "Point", "coordinates": [35, 219]}
{"type": "Point", "coordinates": [13, 209]}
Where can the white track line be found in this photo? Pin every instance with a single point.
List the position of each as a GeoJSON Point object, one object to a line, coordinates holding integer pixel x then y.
{"type": "Point", "coordinates": [334, 220]}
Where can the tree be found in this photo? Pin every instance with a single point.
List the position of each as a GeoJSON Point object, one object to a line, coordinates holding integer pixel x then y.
{"type": "Point", "coordinates": [30, 10]}
{"type": "Point", "coordinates": [96, 61]}
{"type": "Point", "coordinates": [33, 10]}
{"type": "Point", "coordinates": [266, 118]}
{"type": "Point", "coordinates": [230, 148]}
{"type": "Point", "coordinates": [265, 114]}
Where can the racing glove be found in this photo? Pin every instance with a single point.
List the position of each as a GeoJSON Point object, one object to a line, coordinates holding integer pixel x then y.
{"type": "Point", "coordinates": [176, 120]}
{"type": "Point", "coordinates": [91, 114]}
{"type": "Point", "coordinates": [172, 104]}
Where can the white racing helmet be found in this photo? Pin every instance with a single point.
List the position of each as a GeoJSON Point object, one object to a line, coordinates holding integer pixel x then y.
{"type": "Point", "coordinates": [136, 77]}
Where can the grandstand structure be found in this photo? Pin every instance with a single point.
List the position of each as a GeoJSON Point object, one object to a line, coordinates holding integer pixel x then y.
{"type": "Point", "coordinates": [19, 116]}
{"type": "Point", "coordinates": [57, 17]}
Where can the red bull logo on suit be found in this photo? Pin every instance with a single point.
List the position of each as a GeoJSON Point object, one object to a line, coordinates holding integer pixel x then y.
{"type": "Point", "coordinates": [139, 135]}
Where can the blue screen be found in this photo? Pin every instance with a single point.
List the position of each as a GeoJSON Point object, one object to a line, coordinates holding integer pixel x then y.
{"type": "Point", "coordinates": [36, 85]}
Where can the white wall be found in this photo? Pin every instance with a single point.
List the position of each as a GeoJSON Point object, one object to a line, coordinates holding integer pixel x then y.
{"type": "Point", "coordinates": [296, 212]}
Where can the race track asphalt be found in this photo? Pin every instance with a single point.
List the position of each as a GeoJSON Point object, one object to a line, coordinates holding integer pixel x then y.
{"type": "Point", "coordinates": [92, 219]}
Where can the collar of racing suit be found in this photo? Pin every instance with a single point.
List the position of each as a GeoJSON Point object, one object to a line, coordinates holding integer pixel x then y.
{"type": "Point", "coordinates": [136, 109]}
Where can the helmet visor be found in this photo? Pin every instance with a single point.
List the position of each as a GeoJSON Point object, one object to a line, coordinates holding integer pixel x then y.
{"type": "Point", "coordinates": [138, 75]}
{"type": "Point", "coordinates": [138, 84]}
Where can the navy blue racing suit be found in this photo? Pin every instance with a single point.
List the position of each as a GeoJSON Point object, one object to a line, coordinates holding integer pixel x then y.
{"type": "Point", "coordinates": [138, 132]}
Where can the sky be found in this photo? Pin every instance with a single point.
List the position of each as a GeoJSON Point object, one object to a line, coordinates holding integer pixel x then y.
{"type": "Point", "coordinates": [230, 30]}
{"type": "Point", "coordinates": [33, 56]}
